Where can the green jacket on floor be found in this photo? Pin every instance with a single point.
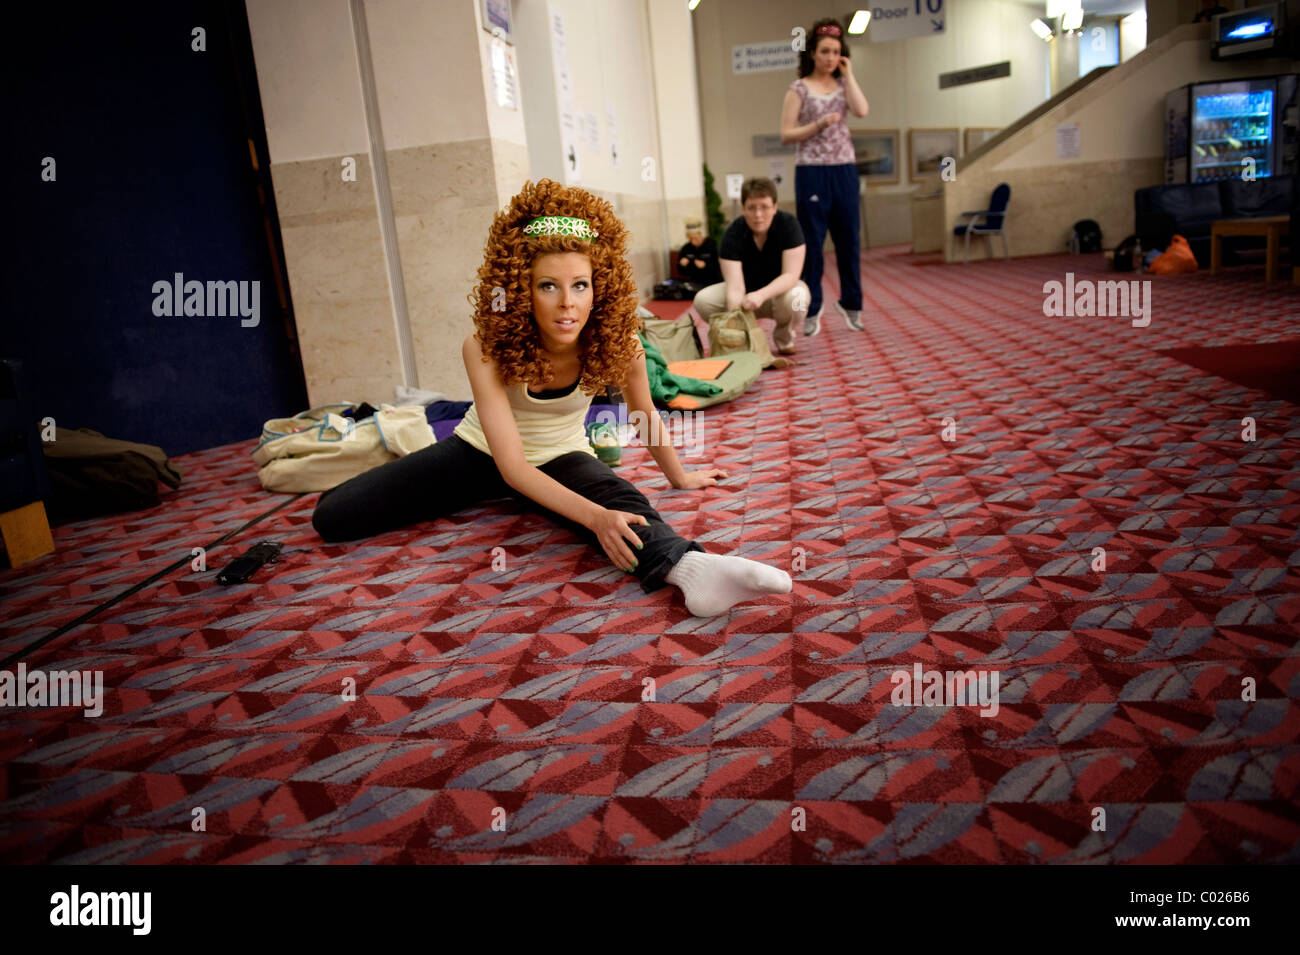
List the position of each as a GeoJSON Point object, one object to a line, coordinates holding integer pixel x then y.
{"type": "Point", "coordinates": [664, 385]}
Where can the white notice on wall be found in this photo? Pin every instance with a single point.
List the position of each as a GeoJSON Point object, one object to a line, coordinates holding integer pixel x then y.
{"type": "Point", "coordinates": [591, 131]}
{"type": "Point", "coordinates": [504, 82]}
{"type": "Point", "coordinates": [764, 57]}
{"type": "Point", "coordinates": [776, 171]}
{"type": "Point", "coordinates": [1069, 141]}
{"type": "Point", "coordinates": [564, 98]}
{"type": "Point", "coordinates": [734, 181]}
{"type": "Point", "coordinates": [611, 117]}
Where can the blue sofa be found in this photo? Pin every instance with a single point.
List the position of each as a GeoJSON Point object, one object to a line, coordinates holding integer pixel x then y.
{"type": "Point", "coordinates": [1190, 210]}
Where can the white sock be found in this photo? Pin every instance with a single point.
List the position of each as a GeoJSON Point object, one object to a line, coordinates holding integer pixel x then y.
{"type": "Point", "coordinates": [712, 584]}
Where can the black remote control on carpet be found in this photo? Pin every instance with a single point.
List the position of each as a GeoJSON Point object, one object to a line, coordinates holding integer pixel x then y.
{"type": "Point", "coordinates": [243, 567]}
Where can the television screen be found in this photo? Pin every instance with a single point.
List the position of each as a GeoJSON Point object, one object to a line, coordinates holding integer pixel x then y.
{"type": "Point", "coordinates": [1244, 31]}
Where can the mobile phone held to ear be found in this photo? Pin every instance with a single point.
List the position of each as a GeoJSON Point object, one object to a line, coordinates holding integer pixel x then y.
{"type": "Point", "coordinates": [244, 566]}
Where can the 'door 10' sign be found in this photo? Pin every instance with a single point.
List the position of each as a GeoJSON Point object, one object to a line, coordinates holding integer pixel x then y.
{"type": "Point", "coordinates": [900, 19]}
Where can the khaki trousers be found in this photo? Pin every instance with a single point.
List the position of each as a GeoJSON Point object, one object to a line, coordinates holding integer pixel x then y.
{"type": "Point", "coordinates": [786, 310]}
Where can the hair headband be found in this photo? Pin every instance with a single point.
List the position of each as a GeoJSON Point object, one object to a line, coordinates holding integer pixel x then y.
{"type": "Point", "coordinates": [829, 29]}
{"type": "Point", "coordinates": [561, 225]}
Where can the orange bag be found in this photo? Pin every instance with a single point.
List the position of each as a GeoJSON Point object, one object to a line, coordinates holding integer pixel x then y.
{"type": "Point", "coordinates": [1177, 258]}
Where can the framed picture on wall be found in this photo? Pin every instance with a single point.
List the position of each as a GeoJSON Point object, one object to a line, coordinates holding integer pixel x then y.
{"type": "Point", "coordinates": [977, 136]}
{"type": "Point", "coordinates": [926, 149]}
{"type": "Point", "coordinates": [875, 153]}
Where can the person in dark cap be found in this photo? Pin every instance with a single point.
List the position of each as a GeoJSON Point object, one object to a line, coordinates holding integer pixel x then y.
{"type": "Point", "coordinates": [699, 256]}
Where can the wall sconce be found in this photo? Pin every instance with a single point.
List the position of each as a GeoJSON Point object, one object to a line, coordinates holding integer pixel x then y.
{"type": "Point", "coordinates": [1042, 29]}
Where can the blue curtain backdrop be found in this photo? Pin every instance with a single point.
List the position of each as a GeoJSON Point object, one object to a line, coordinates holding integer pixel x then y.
{"type": "Point", "coordinates": [154, 177]}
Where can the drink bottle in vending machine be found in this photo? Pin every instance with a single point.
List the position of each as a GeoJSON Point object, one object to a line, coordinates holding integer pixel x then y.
{"type": "Point", "coordinates": [1237, 129]}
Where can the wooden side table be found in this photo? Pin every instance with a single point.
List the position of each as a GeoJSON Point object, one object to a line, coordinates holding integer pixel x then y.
{"type": "Point", "coordinates": [1271, 227]}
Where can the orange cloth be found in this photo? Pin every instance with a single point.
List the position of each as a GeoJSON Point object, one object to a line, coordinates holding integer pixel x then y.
{"type": "Point", "coordinates": [701, 369]}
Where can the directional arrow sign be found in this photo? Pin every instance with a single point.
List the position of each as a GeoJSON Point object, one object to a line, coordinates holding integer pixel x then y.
{"type": "Point", "coordinates": [902, 19]}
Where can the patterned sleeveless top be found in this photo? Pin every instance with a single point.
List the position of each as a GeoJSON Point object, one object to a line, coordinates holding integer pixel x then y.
{"type": "Point", "coordinates": [832, 146]}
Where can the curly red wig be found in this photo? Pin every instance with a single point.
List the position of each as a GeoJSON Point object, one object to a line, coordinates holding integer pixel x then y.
{"type": "Point", "coordinates": [509, 335]}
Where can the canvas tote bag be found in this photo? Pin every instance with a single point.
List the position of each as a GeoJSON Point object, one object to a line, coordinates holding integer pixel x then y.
{"type": "Point", "coordinates": [320, 449]}
{"type": "Point", "coordinates": [738, 331]}
{"type": "Point", "coordinates": [676, 340]}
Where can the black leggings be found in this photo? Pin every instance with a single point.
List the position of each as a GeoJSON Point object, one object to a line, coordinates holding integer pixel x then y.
{"type": "Point", "coordinates": [451, 475]}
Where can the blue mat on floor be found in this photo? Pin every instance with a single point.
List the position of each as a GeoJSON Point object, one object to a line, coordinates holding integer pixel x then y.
{"type": "Point", "coordinates": [445, 415]}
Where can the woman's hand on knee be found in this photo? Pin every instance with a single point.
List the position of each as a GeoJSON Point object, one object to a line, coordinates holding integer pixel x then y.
{"type": "Point", "coordinates": [613, 530]}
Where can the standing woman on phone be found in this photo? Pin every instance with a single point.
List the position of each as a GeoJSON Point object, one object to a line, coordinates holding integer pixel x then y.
{"type": "Point", "coordinates": [825, 176]}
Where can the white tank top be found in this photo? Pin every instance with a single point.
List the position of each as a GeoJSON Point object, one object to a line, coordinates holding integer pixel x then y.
{"type": "Point", "coordinates": [548, 427]}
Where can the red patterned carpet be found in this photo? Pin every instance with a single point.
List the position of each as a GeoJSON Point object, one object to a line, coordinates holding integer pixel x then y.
{"type": "Point", "coordinates": [516, 695]}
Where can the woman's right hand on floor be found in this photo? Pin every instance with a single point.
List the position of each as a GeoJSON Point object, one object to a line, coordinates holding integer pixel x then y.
{"type": "Point", "coordinates": [613, 530]}
{"type": "Point", "coordinates": [705, 477]}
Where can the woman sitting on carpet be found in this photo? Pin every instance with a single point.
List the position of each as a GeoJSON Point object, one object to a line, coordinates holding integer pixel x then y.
{"type": "Point", "coordinates": [554, 312]}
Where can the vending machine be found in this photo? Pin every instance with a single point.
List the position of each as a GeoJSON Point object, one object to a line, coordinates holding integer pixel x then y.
{"type": "Point", "coordinates": [1217, 131]}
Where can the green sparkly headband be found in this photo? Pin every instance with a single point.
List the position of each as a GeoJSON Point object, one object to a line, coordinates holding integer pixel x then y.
{"type": "Point", "coordinates": [561, 225]}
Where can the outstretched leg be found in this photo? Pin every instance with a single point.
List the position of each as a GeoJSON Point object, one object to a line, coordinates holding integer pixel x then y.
{"type": "Point", "coordinates": [433, 482]}
{"type": "Point", "coordinates": [583, 474]}
{"type": "Point", "coordinates": [711, 583]}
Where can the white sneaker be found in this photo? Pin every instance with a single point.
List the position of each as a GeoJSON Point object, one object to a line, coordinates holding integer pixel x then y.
{"type": "Point", "coordinates": [852, 317]}
{"type": "Point", "coordinates": [812, 324]}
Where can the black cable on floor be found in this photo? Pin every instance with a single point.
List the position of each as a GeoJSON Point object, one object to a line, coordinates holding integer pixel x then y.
{"type": "Point", "coordinates": [71, 624]}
